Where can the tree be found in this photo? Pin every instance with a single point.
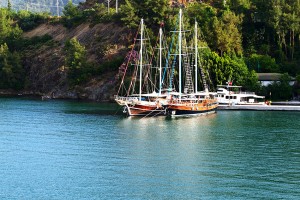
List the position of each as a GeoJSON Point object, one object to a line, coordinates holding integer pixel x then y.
{"type": "Point", "coordinates": [70, 10]}
{"type": "Point", "coordinates": [284, 19]}
{"type": "Point", "coordinates": [251, 83]}
{"type": "Point", "coordinates": [11, 71]}
{"type": "Point", "coordinates": [152, 11]}
{"type": "Point", "coordinates": [5, 24]}
{"type": "Point", "coordinates": [227, 36]}
{"type": "Point", "coordinates": [262, 63]}
{"type": "Point", "coordinates": [28, 20]}
{"type": "Point", "coordinates": [204, 15]}
{"type": "Point", "coordinates": [128, 15]}
{"type": "Point", "coordinates": [225, 68]}
{"type": "Point", "coordinates": [281, 90]}
{"type": "Point", "coordinates": [238, 6]}
{"type": "Point", "coordinates": [75, 61]}
{"type": "Point", "coordinates": [8, 31]}
{"type": "Point", "coordinates": [155, 11]}
{"type": "Point", "coordinates": [72, 14]}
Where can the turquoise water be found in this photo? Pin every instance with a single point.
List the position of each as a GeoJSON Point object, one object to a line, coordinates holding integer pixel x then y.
{"type": "Point", "coordinates": [71, 150]}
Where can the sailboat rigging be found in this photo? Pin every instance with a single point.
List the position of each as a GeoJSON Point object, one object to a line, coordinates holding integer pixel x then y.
{"type": "Point", "coordinates": [190, 102]}
{"type": "Point", "coordinates": [147, 101]}
{"type": "Point", "coordinates": [159, 97]}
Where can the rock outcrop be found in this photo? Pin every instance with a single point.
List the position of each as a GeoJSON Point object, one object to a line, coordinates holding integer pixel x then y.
{"type": "Point", "coordinates": [45, 65]}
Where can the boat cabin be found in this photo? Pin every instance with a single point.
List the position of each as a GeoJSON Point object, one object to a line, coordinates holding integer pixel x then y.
{"type": "Point", "coordinates": [233, 95]}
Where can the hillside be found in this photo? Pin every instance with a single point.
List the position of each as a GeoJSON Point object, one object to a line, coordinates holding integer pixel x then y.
{"type": "Point", "coordinates": [241, 39]}
{"type": "Point", "coordinates": [45, 65]}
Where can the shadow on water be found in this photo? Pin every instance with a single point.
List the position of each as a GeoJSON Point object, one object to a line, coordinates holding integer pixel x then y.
{"type": "Point", "coordinates": [78, 107]}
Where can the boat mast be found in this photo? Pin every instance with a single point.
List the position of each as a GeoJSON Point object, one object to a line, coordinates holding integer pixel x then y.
{"type": "Point", "coordinates": [116, 6]}
{"type": "Point", "coordinates": [179, 50]}
{"type": "Point", "coordinates": [141, 59]}
{"type": "Point", "coordinates": [160, 59]}
{"type": "Point", "coordinates": [196, 57]}
{"type": "Point", "coordinates": [57, 8]}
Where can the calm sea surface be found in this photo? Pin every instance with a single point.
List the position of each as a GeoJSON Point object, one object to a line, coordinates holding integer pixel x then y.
{"type": "Point", "coordinates": [72, 150]}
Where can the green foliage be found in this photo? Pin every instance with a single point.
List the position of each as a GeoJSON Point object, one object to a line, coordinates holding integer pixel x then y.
{"type": "Point", "coordinates": [280, 90]}
{"type": "Point", "coordinates": [100, 14]}
{"type": "Point", "coordinates": [79, 70]}
{"type": "Point", "coordinates": [11, 71]}
{"type": "Point", "coordinates": [109, 66]}
{"type": "Point", "coordinates": [251, 83]}
{"type": "Point", "coordinates": [204, 15]}
{"type": "Point", "coordinates": [76, 61]}
{"type": "Point", "coordinates": [28, 20]}
{"type": "Point", "coordinates": [264, 34]}
{"type": "Point", "coordinates": [291, 67]}
{"type": "Point", "coordinates": [72, 15]}
{"type": "Point", "coordinates": [262, 64]}
{"type": "Point", "coordinates": [32, 43]}
{"type": "Point", "coordinates": [228, 38]}
{"type": "Point", "coordinates": [8, 31]}
{"type": "Point", "coordinates": [226, 68]}
{"type": "Point", "coordinates": [220, 28]}
{"type": "Point", "coordinates": [152, 11]}
{"type": "Point", "coordinates": [239, 6]}
{"type": "Point", "coordinates": [128, 15]}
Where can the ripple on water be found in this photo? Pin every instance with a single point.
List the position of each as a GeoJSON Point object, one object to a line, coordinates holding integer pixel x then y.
{"type": "Point", "coordinates": [73, 150]}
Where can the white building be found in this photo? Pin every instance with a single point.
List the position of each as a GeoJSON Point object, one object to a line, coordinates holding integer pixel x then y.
{"type": "Point", "coordinates": [266, 79]}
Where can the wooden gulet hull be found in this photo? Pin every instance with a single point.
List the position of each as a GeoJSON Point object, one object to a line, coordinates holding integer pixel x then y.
{"type": "Point", "coordinates": [191, 109]}
{"type": "Point", "coordinates": [144, 110]}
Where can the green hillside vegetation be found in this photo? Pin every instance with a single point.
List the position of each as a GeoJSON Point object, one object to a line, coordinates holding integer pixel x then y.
{"type": "Point", "coordinates": [243, 37]}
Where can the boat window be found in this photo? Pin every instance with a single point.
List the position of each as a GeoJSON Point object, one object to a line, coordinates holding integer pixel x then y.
{"type": "Point", "coordinates": [227, 97]}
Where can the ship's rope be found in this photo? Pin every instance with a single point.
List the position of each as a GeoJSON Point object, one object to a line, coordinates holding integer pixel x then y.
{"type": "Point", "coordinates": [128, 61]}
{"type": "Point", "coordinates": [169, 54]}
{"type": "Point", "coordinates": [149, 67]}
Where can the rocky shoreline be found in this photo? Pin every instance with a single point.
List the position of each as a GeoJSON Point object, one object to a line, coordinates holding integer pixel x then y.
{"type": "Point", "coordinates": [67, 95]}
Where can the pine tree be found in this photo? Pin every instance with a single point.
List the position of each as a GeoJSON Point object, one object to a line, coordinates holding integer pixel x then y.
{"type": "Point", "coordinates": [228, 38]}
{"type": "Point", "coordinates": [75, 61]}
{"type": "Point", "coordinates": [11, 71]}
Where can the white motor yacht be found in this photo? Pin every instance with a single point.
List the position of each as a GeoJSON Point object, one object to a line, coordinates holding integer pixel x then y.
{"type": "Point", "coordinates": [233, 95]}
